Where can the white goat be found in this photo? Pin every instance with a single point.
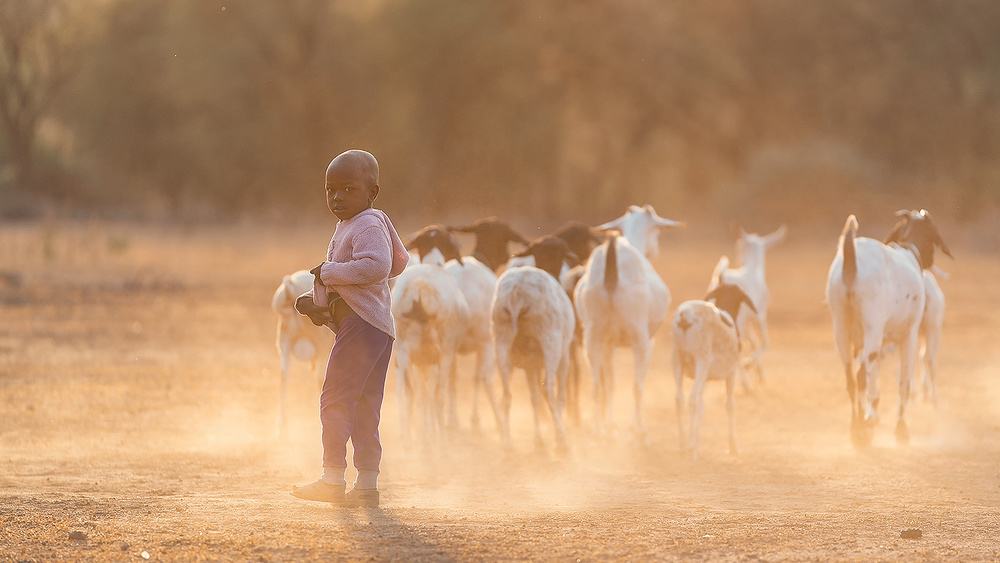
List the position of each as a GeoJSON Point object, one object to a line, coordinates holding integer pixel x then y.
{"type": "Point", "coordinates": [555, 255]}
{"type": "Point", "coordinates": [918, 229]}
{"type": "Point", "coordinates": [750, 277]}
{"type": "Point", "coordinates": [707, 347]}
{"type": "Point", "coordinates": [876, 295]}
{"type": "Point", "coordinates": [628, 315]}
{"type": "Point", "coordinates": [477, 282]}
{"type": "Point", "coordinates": [297, 337]}
{"type": "Point", "coordinates": [621, 301]}
{"type": "Point", "coordinates": [430, 313]}
{"type": "Point", "coordinates": [532, 329]}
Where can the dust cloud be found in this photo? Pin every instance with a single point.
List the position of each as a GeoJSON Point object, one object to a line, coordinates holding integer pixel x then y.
{"type": "Point", "coordinates": [165, 437]}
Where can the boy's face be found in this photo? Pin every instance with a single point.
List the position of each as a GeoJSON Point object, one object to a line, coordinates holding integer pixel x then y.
{"type": "Point", "coordinates": [348, 190]}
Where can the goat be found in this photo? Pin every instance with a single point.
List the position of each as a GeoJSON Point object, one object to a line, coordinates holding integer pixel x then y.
{"type": "Point", "coordinates": [492, 238]}
{"type": "Point", "coordinates": [707, 347]}
{"type": "Point", "coordinates": [621, 301]}
{"type": "Point", "coordinates": [555, 255]}
{"type": "Point", "coordinates": [297, 337]}
{"type": "Point", "coordinates": [641, 227]}
{"type": "Point", "coordinates": [918, 228]}
{"type": "Point", "coordinates": [876, 296]}
{"type": "Point", "coordinates": [532, 329]}
{"type": "Point", "coordinates": [477, 283]}
{"type": "Point", "coordinates": [749, 276]}
{"type": "Point", "coordinates": [430, 313]}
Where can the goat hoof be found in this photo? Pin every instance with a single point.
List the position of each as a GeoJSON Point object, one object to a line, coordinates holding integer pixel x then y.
{"type": "Point", "coordinates": [902, 434]}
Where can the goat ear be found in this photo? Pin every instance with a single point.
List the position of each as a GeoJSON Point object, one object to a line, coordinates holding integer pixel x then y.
{"type": "Point", "coordinates": [720, 269]}
{"type": "Point", "coordinates": [465, 229]}
{"type": "Point", "coordinates": [944, 247]}
{"type": "Point", "coordinates": [903, 213]}
{"type": "Point", "coordinates": [660, 221]}
{"type": "Point", "coordinates": [572, 258]}
{"type": "Point", "coordinates": [669, 223]}
{"type": "Point", "coordinates": [936, 233]}
{"type": "Point", "coordinates": [616, 224]}
{"type": "Point", "coordinates": [937, 236]}
{"type": "Point", "coordinates": [776, 236]}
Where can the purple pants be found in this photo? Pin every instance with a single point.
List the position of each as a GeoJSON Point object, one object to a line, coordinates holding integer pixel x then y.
{"type": "Point", "coordinates": [351, 401]}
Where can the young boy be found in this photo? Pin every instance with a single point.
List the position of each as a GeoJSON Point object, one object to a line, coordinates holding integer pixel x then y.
{"type": "Point", "coordinates": [364, 253]}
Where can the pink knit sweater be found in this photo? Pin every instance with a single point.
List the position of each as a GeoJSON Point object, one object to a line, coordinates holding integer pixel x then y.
{"type": "Point", "coordinates": [364, 253]}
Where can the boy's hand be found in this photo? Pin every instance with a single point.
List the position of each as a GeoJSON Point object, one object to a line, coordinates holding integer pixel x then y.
{"type": "Point", "coordinates": [305, 306]}
{"type": "Point", "coordinates": [316, 271]}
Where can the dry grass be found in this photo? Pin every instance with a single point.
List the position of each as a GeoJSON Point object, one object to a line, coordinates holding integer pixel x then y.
{"type": "Point", "coordinates": [138, 385]}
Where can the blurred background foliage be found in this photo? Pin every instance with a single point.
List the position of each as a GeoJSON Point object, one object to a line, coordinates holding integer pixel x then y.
{"type": "Point", "coordinates": [785, 110]}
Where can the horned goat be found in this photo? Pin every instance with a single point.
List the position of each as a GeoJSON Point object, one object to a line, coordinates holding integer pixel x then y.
{"type": "Point", "coordinates": [532, 329]}
{"type": "Point", "coordinates": [621, 302]}
{"type": "Point", "coordinates": [876, 296]}
{"type": "Point", "coordinates": [430, 314]}
{"type": "Point", "coordinates": [477, 283]}
{"type": "Point", "coordinates": [919, 229]}
{"type": "Point", "coordinates": [555, 255]}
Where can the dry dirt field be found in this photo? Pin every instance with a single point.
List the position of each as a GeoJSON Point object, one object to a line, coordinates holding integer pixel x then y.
{"type": "Point", "coordinates": [139, 391]}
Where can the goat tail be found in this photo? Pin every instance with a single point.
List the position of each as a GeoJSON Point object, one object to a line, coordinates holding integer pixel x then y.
{"type": "Point", "coordinates": [850, 269]}
{"type": "Point", "coordinates": [611, 264]}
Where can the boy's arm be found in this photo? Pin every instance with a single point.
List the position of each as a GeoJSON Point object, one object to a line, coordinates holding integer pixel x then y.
{"type": "Point", "coordinates": [370, 263]}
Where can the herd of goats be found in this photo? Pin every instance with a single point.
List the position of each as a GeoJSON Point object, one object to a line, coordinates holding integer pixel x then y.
{"type": "Point", "coordinates": [584, 291]}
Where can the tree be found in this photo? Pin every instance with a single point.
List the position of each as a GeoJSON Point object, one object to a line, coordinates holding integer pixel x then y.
{"type": "Point", "coordinates": [37, 39]}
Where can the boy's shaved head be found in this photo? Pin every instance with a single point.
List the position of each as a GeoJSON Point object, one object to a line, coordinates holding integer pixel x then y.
{"type": "Point", "coordinates": [351, 183]}
{"type": "Point", "coordinates": [362, 163]}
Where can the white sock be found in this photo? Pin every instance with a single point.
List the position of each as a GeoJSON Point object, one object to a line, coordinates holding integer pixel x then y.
{"type": "Point", "coordinates": [366, 479]}
{"type": "Point", "coordinates": [334, 475]}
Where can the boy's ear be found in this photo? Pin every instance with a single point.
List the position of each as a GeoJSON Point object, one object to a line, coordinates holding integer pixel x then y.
{"type": "Point", "coordinates": [372, 194]}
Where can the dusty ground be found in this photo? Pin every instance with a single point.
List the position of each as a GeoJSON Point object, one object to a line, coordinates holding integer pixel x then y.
{"type": "Point", "coordinates": [138, 395]}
